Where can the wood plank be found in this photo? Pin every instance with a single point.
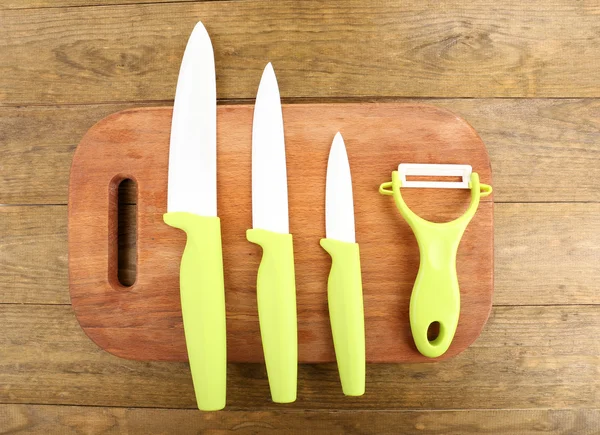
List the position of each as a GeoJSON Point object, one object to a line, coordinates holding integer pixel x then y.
{"type": "Point", "coordinates": [43, 138]}
{"type": "Point", "coordinates": [415, 48]}
{"type": "Point", "coordinates": [527, 357]}
{"type": "Point", "coordinates": [33, 4]}
{"type": "Point", "coordinates": [33, 255]}
{"type": "Point", "coordinates": [541, 150]}
{"type": "Point", "coordinates": [71, 420]}
{"type": "Point", "coordinates": [547, 254]}
{"type": "Point", "coordinates": [531, 144]}
{"type": "Point", "coordinates": [558, 242]}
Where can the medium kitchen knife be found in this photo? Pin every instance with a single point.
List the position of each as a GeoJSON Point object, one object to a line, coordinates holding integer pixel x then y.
{"type": "Point", "coordinates": [276, 284]}
{"type": "Point", "coordinates": [192, 207]}
{"type": "Point", "coordinates": [344, 289]}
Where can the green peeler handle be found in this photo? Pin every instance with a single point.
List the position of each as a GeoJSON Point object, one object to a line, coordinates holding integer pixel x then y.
{"type": "Point", "coordinates": [344, 290]}
{"type": "Point", "coordinates": [203, 306]}
{"type": "Point", "coordinates": [276, 297]}
{"type": "Point", "coordinates": [436, 294]}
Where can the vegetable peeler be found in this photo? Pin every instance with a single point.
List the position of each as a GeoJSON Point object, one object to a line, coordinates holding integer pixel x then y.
{"type": "Point", "coordinates": [435, 296]}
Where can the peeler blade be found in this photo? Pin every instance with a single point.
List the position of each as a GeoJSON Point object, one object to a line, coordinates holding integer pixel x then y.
{"type": "Point", "coordinates": [435, 170]}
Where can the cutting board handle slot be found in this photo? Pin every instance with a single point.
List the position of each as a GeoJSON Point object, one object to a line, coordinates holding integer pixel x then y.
{"type": "Point", "coordinates": [122, 262]}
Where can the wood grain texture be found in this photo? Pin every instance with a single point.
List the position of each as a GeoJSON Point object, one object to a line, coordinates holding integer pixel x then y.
{"type": "Point", "coordinates": [33, 255]}
{"type": "Point", "coordinates": [526, 357]}
{"type": "Point", "coordinates": [144, 322]}
{"type": "Point", "coordinates": [34, 4]}
{"type": "Point", "coordinates": [542, 152]}
{"type": "Point", "coordinates": [37, 148]}
{"type": "Point", "coordinates": [73, 420]}
{"type": "Point", "coordinates": [531, 143]}
{"type": "Point", "coordinates": [549, 253]}
{"type": "Point", "coordinates": [320, 49]}
{"type": "Point", "coordinates": [558, 242]}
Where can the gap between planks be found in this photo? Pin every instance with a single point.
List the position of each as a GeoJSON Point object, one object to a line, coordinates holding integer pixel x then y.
{"type": "Point", "coordinates": [70, 5]}
{"type": "Point", "coordinates": [286, 100]}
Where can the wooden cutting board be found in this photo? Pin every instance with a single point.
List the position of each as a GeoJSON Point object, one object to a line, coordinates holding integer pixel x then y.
{"type": "Point", "coordinates": [144, 322]}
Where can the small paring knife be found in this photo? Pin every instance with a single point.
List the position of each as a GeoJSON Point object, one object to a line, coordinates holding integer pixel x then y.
{"type": "Point", "coordinates": [192, 207]}
{"type": "Point", "coordinates": [276, 283]}
{"type": "Point", "coordinates": [344, 288]}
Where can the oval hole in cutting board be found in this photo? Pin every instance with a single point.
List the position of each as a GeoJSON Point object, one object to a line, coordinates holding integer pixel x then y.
{"type": "Point", "coordinates": [127, 232]}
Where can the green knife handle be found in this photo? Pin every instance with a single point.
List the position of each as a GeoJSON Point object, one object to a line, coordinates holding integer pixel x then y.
{"type": "Point", "coordinates": [276, 298]}
{"type": "Point", "coordinates": [203, 306]}
{"type": "Point", "coordinates": [344, 293]}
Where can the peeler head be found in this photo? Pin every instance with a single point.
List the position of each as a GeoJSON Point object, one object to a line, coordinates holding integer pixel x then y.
{"type": "Point", "coordinates": [435, 170]}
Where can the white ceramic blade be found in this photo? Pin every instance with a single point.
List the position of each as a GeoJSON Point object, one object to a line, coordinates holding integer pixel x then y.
{"type": "Point", "coordinates": [339, 204]}
{"type": "Point", "coordinates": [269, 175]}
{"type": "Point", "coordinates": [435, 170]}
{"type": "Point", "coordinates": [193, 149]}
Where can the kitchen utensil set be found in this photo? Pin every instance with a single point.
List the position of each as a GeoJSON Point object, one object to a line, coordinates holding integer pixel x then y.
{"type": "Point", "coordinates": [192, 207]}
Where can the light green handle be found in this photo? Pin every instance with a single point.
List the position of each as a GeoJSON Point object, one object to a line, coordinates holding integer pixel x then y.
{"type": "Point", "coordinates": [436, 295]}
{"type": "Point", "coordinates": [344, 293]}
{"type": "Point", "coordinates": [276, 296]}
{"type": "Point", "coordinates": [203, 306]}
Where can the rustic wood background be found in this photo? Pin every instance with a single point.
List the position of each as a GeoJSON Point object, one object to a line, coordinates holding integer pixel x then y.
{"type": "Point", "coordinates": [525, 74]}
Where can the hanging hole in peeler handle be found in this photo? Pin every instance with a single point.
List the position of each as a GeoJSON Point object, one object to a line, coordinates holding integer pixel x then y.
{"type": "Point", "coordinates": [433, 331]}
{"type": "Point", "coordinates": [436, 334]}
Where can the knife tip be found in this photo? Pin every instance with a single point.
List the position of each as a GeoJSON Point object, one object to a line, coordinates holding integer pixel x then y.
{"type": "Point", "coordinates": [269, 69]}
{"type": "Point", "coordinates": [199, 26]}
{"type": "Point", "coordinates": [199, 31]}
{"type": "Point", "coordinates": [338, 141]}
{"type": "Point", "coordinates": [269, 79]}
{"type": "Point", "coordinates": [338, 149]}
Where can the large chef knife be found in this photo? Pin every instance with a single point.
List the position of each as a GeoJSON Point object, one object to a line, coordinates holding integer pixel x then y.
{"type": "Point", "coordinates": [276, 285]}
{"type": "Point", "coordinates": [192, 207]}
{"type": "Point", "coordinates": [344, 289]}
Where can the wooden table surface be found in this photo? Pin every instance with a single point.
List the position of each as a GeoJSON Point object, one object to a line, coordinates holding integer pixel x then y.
{"type": "Point", "coordinates": [525, 74]}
